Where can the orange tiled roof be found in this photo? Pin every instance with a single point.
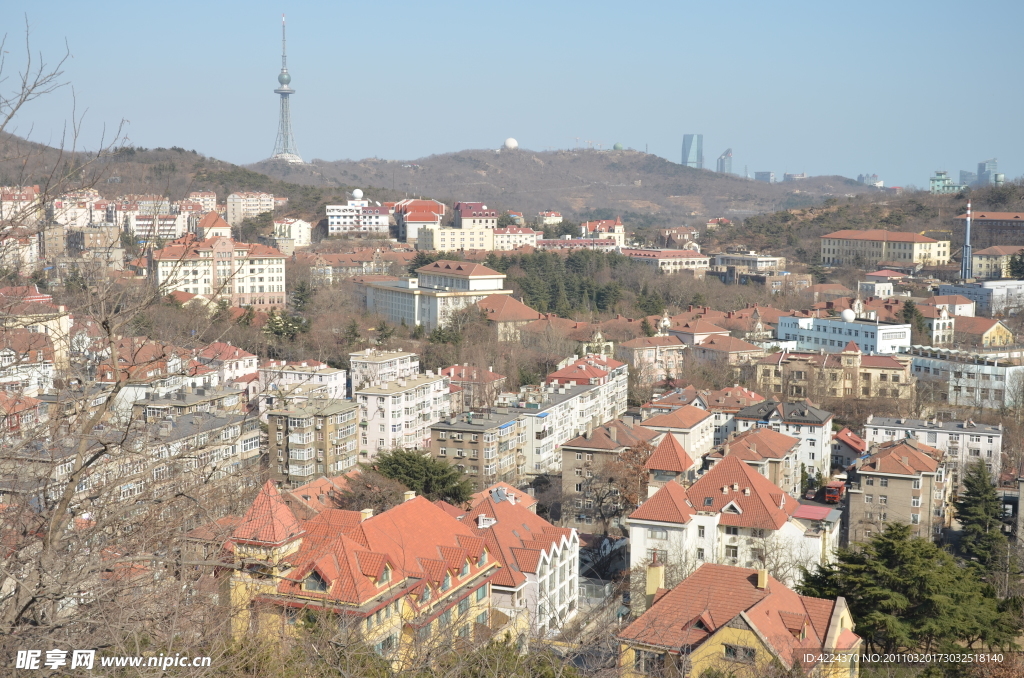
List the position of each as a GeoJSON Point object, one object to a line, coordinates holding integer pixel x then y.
{"type": "Point", "coordinates": [761, 503]}
{"type": "Point", "coordinates": [670, 504]}
{"type": "Point", "coordinates": [685, 417]}
{"type": "Point", "coordinates": [669, 455]}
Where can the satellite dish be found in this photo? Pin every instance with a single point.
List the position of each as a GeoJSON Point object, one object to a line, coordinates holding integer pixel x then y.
{"type": "Point", "coordinates": [378, 202]}
{"type": "Point", "coordinates": [848, 315]}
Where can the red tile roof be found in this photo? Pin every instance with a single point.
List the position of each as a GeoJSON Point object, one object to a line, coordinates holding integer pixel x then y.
{"type": "Point", "coordinates": [877, 234]}
{"type": "Point", "coordinates": [669, 455]}
{"type": "Point", "coordinates": [761, 443]}
{"type": "Point", "coordinates": [728, 345]}
{"type": "Point", "coordinates": [460, 269]}
{"type": "Point", "coordinates": [903, 457]}
{"type": "Point", "coordinates": [994, 216]}
{"type": "Point", "coordinates": [851, 439]}
{"type": "Point", "coordinates": [268, 520]}
{"type": "Point", "coordinates": [502, 308]}
{"type": "Point", "coordinates": [761, 503]}
{"type": "Point", "coordinates": [683, 418]}
{"type": "Point", "coordinates": [670, 504]}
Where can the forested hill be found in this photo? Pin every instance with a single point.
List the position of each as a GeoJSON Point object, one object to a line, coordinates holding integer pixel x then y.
{"type": "Point", "coordinates": [576, 183]}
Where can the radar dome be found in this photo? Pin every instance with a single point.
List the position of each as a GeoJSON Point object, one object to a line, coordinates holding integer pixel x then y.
{"type": "Point", "coordinates": [511, 144]}
{"type": "Point", "coordinates": [357, 194]}
{"type": "Point", "coordinates": [284, 78]}
{"type": "Point", "coordinates": [617, 147]}
{"type": "Point", "coordinates": [848, 315]}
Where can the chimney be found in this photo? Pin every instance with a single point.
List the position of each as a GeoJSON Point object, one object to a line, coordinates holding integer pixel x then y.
{"type": "Point", "coordinates": [746, 491]}
{"type": "Point", "coordinates": [762, 579]}
{"type": "Point", "coordinates": [365, 514]}
{"type": "Point", "coordinates": [655, 579]}
{"type": "Point", "coordinates": [613, 433]}
{"type": "Point", "coordinates": [408, 495]}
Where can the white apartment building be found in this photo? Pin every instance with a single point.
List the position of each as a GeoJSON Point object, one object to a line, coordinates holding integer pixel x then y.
{"type": "Point", "coordinates": [990, 296]}
{"type": "Point", "coordinates": [284, 382]}
{"type": "Point", "coordinates": [247, 204]}
{"type": "Point", "coordinates": [475, 214]}
{"type": "Point", "coordinates": [549, 218]}
{"type": "Point", "coordinates": [208, 199]}
{"type": "Point", "coordinates": [151, 227]}
{"type": "Point", "coordinates": [991, 379]}
{"type": "Point", "coordinates": [735, 516]}
{"type": "Point", "coordinates": [231, 362]}
{"type": "Point", "coordinates": [358, 216]}
{"type": "Point", "coordinates": [298, 230]}
{"type": "Point", "coordinates": [21, 205]}
{"type": "Point", "coordinates": [752, 260]}
{"type": "Point", "coordinates": [442, 288]}
{"type": "Point", "coordinates": [77, 209]}
{"type": "Point", "coordinates": [833, 334]}
{"type": "Point", "coordinates": [811, 425]}
{"type": "Point", "coordinates": [609, 376]}
{"type": "Point", "coordinates": [963, 442]}
{"type": "Point", "coordinates": [441, 239]}
{"type": "Point", "coordinates": [670, 261]}
{"type": "Point", "coordinates": [514, 237]}
{"type": "Point", "coordinates": [399, 414]}
{"type": "Point", "coordinates": [693, 427]}
{"type": "Point", "coordinates": [381, 366]}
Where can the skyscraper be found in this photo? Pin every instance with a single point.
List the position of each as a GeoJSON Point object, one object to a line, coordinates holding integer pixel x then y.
{"type": "Point", "coordinates": [987, 171]}
{"type": "Point", "coordinates": [693, 150]}
{"type": "Point", "coordinates": [284, 147]}
{"type": "Point", "coordinates": [725, 162]}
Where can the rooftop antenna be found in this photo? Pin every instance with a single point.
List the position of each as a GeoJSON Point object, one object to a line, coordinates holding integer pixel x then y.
{"type": "Point", "coordinates": [967, 266]}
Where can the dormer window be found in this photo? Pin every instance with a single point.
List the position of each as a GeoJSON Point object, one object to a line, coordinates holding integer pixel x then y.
{"type": "Point", "coordinates": [425, 597]}
{"type": "Point", "coordinates": [315, 582]}
{"type": "Point", "coordinates": [447, 583]}
{"type": "Point", "coordinates": [385, 576]}
{"type": "Point", "coordinates": [465, 570]}
{"type": "Point", "coordinates": [482, 560]}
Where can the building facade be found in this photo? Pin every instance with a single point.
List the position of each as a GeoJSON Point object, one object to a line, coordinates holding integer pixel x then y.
{"type": "Point", "coordinates": [961, 442]}
{"type": "Point", "coordinates": [313, 438]}
{"type": "Point", "coordinates": [399, 414]}
{"type": "Point", "coordinates": [869, 247]}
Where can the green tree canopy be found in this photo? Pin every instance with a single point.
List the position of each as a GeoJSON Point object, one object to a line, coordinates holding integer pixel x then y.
{"type": "Point", "coordinates": [905, 593]}
{"type": "Point", "coordinates": [433, 478]}
{"type": "Point", "coordinates": [980, 513]}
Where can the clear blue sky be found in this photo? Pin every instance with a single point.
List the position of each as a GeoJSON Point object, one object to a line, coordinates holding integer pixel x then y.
{"type": "Point", "coordinates": [900, 88]}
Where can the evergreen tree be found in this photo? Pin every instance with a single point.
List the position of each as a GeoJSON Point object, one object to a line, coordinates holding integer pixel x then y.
{"type": "Point", "coordinates": [302, 296]}
{"type": "Point", "coordinates": [351, 335]}
{"type": "Point", "coordinates": [1017, 266]}
{"type": "Point", "coordinates": [433, 478]}
{"type": "Point", "coordinates": [384, 333]}
{"type": "Point", "coordinates": [980, 513]}
{"type": "Point", "coordinates": [647, 328]}
{"type": "Point", "coordinates": [905, 593]}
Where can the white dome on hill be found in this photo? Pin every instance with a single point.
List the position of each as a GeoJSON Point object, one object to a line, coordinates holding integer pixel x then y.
{"type": "Point", "coordinates": [511, 144]}
{"type": "Point", "coordinates": [357, 194]}
{"type": "Point", "coordinates": [848, 315]}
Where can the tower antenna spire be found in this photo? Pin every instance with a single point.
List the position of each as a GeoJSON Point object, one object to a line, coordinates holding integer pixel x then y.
{"type": "Point", "coordinates": [967, 263]}
{"type": "Point", "coordinates": [284, 147]}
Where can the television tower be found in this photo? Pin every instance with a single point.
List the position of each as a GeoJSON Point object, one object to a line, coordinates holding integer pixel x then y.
{"type": "Point", "coordinates": [284, 148]}
{"type": "Point", "coordinates": [966, 264]}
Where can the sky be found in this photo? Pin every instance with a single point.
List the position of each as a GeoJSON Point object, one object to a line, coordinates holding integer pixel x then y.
{"type": "Point", "coordinates": [899, 89]}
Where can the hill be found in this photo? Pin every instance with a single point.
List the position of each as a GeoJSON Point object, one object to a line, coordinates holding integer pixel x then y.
{"type": "Point", "coordinates": [577, 183]}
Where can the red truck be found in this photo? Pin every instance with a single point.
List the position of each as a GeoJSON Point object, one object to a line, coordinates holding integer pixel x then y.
{"type": "Point", "coordinates": [834, 492]}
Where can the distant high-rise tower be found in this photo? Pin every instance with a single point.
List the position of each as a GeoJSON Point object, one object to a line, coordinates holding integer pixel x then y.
{"type": "Point", "coordinates": [693, 150]}
{"type": "Point", "coordinates": [987, 171]}
{"type": "Point", "coordinates": [725, 162]}
{"type": "Point", "coordinates": [284, 148]}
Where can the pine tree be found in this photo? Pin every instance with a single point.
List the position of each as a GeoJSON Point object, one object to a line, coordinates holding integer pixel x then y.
{"type": "Point", "coordinates": [433, 478]}
{"type": "Point", "coordinates": [647, 328]}
{"type": "Point", "coordinates": [980, 513]}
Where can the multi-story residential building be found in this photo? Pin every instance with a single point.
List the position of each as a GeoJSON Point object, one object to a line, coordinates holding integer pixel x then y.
{"type": "Point", "coordinates": [994, 227]}
{"type": "Point", "coordinates": [232, 363]}
{"type": "Point", "coordinates": [774, 455]}
{"type": "Point", "coordinates": [607, 229]}
{"type": "Point", "coordinates": [955, 304]}
{"type": "Point", "coordinates": [21, 205]}
{"type": "Point", "coordinates": [440, 239]}
{"type": "Point", "coordinates": [413, 214]}
{"type": "Point", "coordinates": [813, 426]}
{"type": "Point", "coordinates": [732, 515]}
{"type": "Point", "coordinates": [472, 215]}
{"type": "Point", "coordinates": [442, 288]}
{"type": "Point", "coordinates": [961, 442]}
{"type": "Point", "coordinates": [568, 244]}
{"type": "Point", "coordinates": [991, 297]}
{"type": "Point", "coordinates": [723, 616]}
{"type": "Point", "coordinates": [590, 496]}
{"type": "Point", "coordinates": [549, 218]}
{"type": "Point", "coordinates": [752, 261]}
{"type": "Point", "coordinates": [692, 427]}
{"type": "Point", "coordinates": [833, 334]}
{"type": "Point", "coordinates": [208, 199]}
{"type": "Point", "coordinates": [399, 414]}
{"type": "Point", "coordinates": [943, 184]}
{"type": "Point", "coordinates": [210, 226]}
{"type": "Point", "coordinates": [76, 209]}
{"type": "Point", "coordinates": [292, 381]}
{"type": "Point", "coordinates": [150, 228]}
{"type": "Point", "coordinates": [299, 231]}
{"type": "Point", "coordinates": [243, 274]}
{"type": "Point", "coordinates": [653, 359]}
{"type": "Point", "coordinates": [900, 481]}
{"type": "Point", "coordinates": [489, 447]}
{"type": "Point", "coordinates": [849, 374]}
{"type": "Point", "coordinates": [982, 332]}
{"type": "Point", "coordinates": [993, 263]}
{"type": "Point", "coordinates": [247, 204]}
{"type": "Point", "coordinates": [376, 365]}
{"type": "Point", "coordinates": [358, 216]}
{"type": "Point", "coordinates": [670, 261]}
{"type": "Point", "coordinates": [609, 377]}
{"type": "Point", "coordinates": [670, 463]}
{"type": "Point", "coordinates": [990, 379]}
{"type": "Point", "coordinates": [311, 438]}
{"type": "Point", "coordinates": [847, 446]}
{"type": "Point", "coordinates": [539, 562]}
{"type": "Point", "coordinates": [26, 362]}
{"type": "Point", "coordinates": [869, 247]}
{"type": "Point", "coordinates": [515, 237]}
{"type": "Point", "coordinates": [723, 405]}
{"type": "Point", "coordinates": [480, 387]}
{"type": "Point", "coordinates": [414, 578]}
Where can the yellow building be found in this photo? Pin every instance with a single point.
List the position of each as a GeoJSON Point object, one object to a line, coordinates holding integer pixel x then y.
{"type": "Point", "coordinates": [737, 621]}
{"type": "Point", "coordinates": [454, 239]}
{"type": "Point", "coordinates": [869, 247]}
{"type": "Point", "coordinates": [993, 263]}
{"type": "Point", "coordinates": [982, 332]}
{"type": "Point", "coordinates": [401, 582]}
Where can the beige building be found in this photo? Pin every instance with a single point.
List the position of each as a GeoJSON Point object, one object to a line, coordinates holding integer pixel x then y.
{"type": "Point", "coordinates": [313, 438]}
{"type": "Point", "coordinates": [901, 481]}
{"type": "Point", "coordinates": [869, 247]}
{"type": "Point", "coordinates": [248, 204]}
{"type": "Point", "coordinates": [993, 263]}
{"type": "Point", "coordinates": [653, 359]}
{"type": "Point", "coordinates": [443, 239]}
{"type": "Point", "coordinates": [670, 261]}
{"type": "Point", "coordinates": [849, 374]}
{"type": "Point", "coordinates": [486, 447]}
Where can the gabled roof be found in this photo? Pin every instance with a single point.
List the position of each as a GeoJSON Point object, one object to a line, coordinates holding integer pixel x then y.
{"type": "Point", "coordinates": [974, 326]}
{"type": "Point", "coordinates": [728, 345]}
{"type": "Point", "coordinates": [682, 418]}
{"type": "Point", "coordinates": [731, 482]}
{"type": "Point", "coordinates": [1000, 250]}
{"type": "Point", "coordinates": [650, 342]}
{"type": "Point", "coordinates": [670, 504]}
{"type": "Point", "coordinates": [601, 438]}
{"type": "Point", "coordinates": [878, 234]}
{"type": "Point", "coordinates": [757, 444]}
{"type": "Point", "coordinates": [268, 521]}
{"type": "Point", "coordinates": [798, 413]}
{"type": "Point", "coordinates": [851, 439]}
{"type": "Point", "coordinates": [700, 327]}
{"type": "Point", "coordinates": [908, 457]}
{"type": "Point", "coordinates": [220, 350]}
{"type": "Point", "coordinates": [669, 455]}
{"type": "Point", "coordinates": [503, 308]}
{"type": "Point", "coordinates": [506, 491]}
{"type": "Point", "coordinates": [460, 269]}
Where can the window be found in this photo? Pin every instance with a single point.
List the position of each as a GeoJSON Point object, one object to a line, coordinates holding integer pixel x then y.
{"type": "Point", "coordinates": [463, 606]}
{"type": "Point", "coordinates": [700, 530]}
{"type": "Point", "coordinates": [385, 576]}
{"type": "Point", "coordinates": [732, 530]}
{"type": "Point", "coordinates": [447, 583]}
{"type": "Point", "coordinates": [915, 518]}
{"type": "Point", "coordinates": [481, 593]}
{"type": "Point", "coordinates": [883, 499]}
{"type": "Point", "coordinates": [314, 582]}
{"type": "Point", "coordinates": [732, 552]}
{"type": "Point", "coordinates": [657, 533]}
{"type": "Point", "coordinates": [869, 498]}
{"type": "Point", "coordinates": [884, 482]}
{"type": "Point", "coordinates": [700, 554]}
{"type": "Point", "coordinates": [869, 481]}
